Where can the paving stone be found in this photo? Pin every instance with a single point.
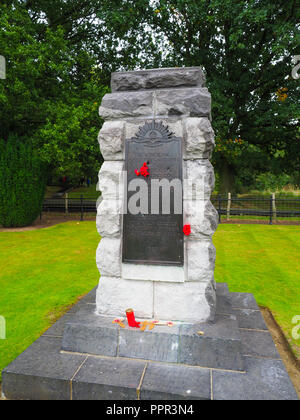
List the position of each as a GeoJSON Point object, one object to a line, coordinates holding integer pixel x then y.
{"type": "Point", "coordinates": [57, 329]}
{"type": "Point", "coordinates": [90, 333]}
{"type": "Point", "coordinates": [222, 289]}
{"type": "Point", "coordinates": [243, 301]}
{"type": "Point", "coordinates": [175, 382]}
{"type": "Point", "coordinates": [159, 344]}
{"type": "Point", "coordinates": [258, 343]}
{"type": "Point", "coordinates": [90, 297]}
{"type": "Point", "coordinates": [249, 318]}
{"type": "Point", "coordinates": [41, 372]}
{"type": "Point", "coordinates": [267, 380]}
{"type": "Point", "coordinates": [107, 379]}
{"type": "Point", "coordinates": [157, 78]}
{"type": "Point", "coordinates": [219, 347]}
{"type": "Point", "coordinates": [224, 304]}
{"type": "Point", "coordinates": [228, 385]}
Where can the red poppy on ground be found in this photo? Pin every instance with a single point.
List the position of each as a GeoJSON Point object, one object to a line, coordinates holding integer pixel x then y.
{"type": "Point", "coordinates": [131, 319]}
{"type": "Point", "coordinates": [187, 230]}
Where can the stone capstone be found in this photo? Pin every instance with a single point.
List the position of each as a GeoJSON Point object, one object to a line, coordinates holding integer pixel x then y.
{"type": "Point", "coordinates": [157, 79]}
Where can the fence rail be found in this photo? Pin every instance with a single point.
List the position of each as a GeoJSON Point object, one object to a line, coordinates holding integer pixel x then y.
{"type": "Point", "coordinates": [229, 206]}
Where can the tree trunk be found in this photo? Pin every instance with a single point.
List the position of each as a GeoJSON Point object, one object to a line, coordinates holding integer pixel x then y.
{"type": "Point", "coordinates": [226, 177]}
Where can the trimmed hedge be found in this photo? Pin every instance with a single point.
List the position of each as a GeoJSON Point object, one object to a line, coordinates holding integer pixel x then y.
{"type": "Point", "coordinates": [23, 178]}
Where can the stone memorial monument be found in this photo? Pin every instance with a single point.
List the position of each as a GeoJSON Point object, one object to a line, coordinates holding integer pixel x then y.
{"type": "Point", "coordinates": [156, 259]}
{"type": "Point", "coordinates": [160, 117]}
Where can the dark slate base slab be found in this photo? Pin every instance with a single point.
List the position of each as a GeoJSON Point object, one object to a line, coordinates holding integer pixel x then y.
{"type": "Point", "coordinates": [266, 379]}
{"type": "Point", "coordinates": [219, 347]}
{"type": "Point", "coordinates": [44, 372]}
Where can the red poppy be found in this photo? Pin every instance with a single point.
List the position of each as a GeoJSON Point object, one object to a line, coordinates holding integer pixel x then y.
{"type": "Point", "coordinates": [187, 230]}
{"type": "Point", "coordinates": [137, 172]}
{"type": "Point", "coordinates": [144, 171]}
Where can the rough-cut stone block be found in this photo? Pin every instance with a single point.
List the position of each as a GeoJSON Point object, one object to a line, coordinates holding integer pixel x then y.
{"type": "Point", "coordinates": [189, 302]}
{"type": "Point", "coordinates": [258, 343]}
{"type": "Point", "coordinates": [111, 139]}
{"type": "Point", "coordinates": [199, 138]}
{"type": "Point", "coordinates": [193, 102]}
{"type": "Point", "coordinates": [157, 79]}
{"type": "Point", "coordinates": [41, 372]}
{"type": "Point", "coordinates": [171, 382]}
{"type": "Point", "coordinates": [107, 379]}
{"type": "Point", "coordinates": [219, 347]}
{"type": "Point", "coordinates": [111, 180]}
{"type": "Point", "coordinates": [115, 295]}
{"type": "Point", "coordinates": [160, 344]}
{"type": "Point", "coordinates": [127, 105]}
{"type": "Point", "coordinates": [108, 220]}
{"type": "Point", "coordinates": [108, 257]}
{"type": "Point", "coordinates": [201, 255]}
{"type": "Point", "coordinates": [202, 216]}
{"type": "Point", "coordinates": [199, 179]}
{"type": "Point", "coordinates": [250, 319]}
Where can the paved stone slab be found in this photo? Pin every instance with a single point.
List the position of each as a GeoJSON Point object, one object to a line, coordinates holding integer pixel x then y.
{"type": "Point", "coordinates": [160, 344]}
{"type": "Point", "coordinates": [107, 379]}
{"type": "Point", "coordinates": [157, 78]}
{"type": "Point", "coordinates": [57, 329]}
{"type": "Point", "coordinates": [251, 319]}
{"type": "Point", "coordinates": [90, 333]}
{"type": "Point", "coordinates": [219, 347]}
{"type": "Point", "coordinates": [90, 297]}
{"type": "Point", "coordinates": [228, 385]}
{"type": "Point", "coordinates": [267, 380]}
{"type": "Point", "coordinates": [222, 289]}
{"type": "Point", "coordinates": [224, 305]}
{"type": "Point", "coordinates": [175, 382]}
{"type": "Point", "coordinates": [258, 343]}
{"type": "Point", "coordinates": [41, 372]}
{"type": "Point", "coordinates": [243, 301]}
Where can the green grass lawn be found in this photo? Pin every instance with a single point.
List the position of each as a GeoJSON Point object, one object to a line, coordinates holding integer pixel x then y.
{"type": "Point", "coordinates": [263, 260]}
{"type": "Point", "coordinates": [44, 271]}
{"type": "Point", "coordinates": [86, 192]}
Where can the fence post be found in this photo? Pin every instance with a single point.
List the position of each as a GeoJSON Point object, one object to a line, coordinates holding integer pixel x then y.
{"type": "Point", "coordinates": [228, 206]}
{"type": "Point", "coordinates": [219, 208]}
{"type": "Point", "coordinates": [66, 204]}
{"type": "Point", "coordinates": [274, 207]}
{"type": "Point", "coordinates": [271, 209]}
{"type": "Point", "coordinates": [81, 207]}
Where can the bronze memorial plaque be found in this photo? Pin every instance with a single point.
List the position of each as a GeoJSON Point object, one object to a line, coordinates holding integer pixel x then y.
{"type": "Point", "coordinates": [154, 235]}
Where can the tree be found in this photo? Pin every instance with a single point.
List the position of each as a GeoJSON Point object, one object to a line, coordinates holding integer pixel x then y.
{"type": "Point", "coordinates": [246, 49]}
{"type": "Point", "coordinates": [23, 177]}
{"type": "Point", "coordinates": [53, 83]}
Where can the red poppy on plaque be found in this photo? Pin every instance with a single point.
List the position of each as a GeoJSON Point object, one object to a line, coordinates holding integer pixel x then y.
{"type": "Point", "coordinates": [187, 230]}
{"type": "Point", "coordinates": [144, 171]}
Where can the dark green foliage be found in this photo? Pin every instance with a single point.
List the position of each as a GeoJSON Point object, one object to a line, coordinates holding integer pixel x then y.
{"type": "Point", "coordinates": [22, 183]}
